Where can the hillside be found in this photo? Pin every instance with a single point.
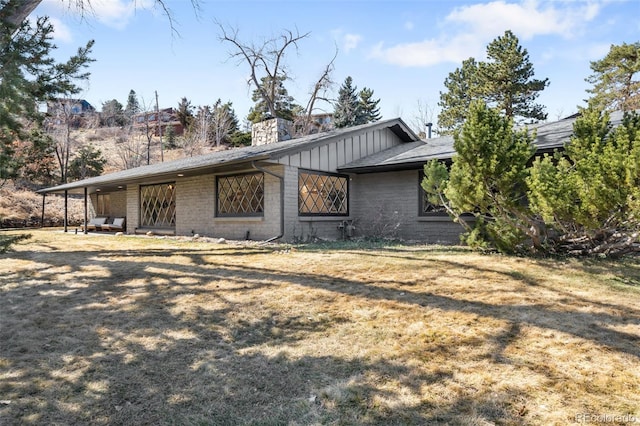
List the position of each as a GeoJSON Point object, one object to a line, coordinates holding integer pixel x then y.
{"type": "Point", "coordinates": [21, 206]}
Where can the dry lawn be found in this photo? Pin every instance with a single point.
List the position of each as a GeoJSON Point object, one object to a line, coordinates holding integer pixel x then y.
{"type": "Point", "coordinates": [104, 329]}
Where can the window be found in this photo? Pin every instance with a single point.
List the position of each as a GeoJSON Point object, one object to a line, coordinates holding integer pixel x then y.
{"type": "Point", "coordinates": [158, 205]}
{"type": "Point", "coordinates": [103, 202]}
{"type": "Point", "coordinates": [324, 194]}
{"type": "Point", "coordinates": [427, 208]}
{"type": "Point", "coordinates": [240, 195]}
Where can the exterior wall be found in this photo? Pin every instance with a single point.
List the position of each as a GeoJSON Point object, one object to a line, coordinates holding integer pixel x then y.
{"type": "Point", "coordinates": [306, 228]}
{"type": "Point", "coordinates": [390, 202]}
{"type": "Point", "coordinates": [331, 156]}
{"type": "Point", "coordinates": [133, 208]}
{"type": "Point", "coordinates": [196, 203]}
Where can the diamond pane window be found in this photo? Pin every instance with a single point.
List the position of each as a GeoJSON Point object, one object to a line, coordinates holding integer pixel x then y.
{"type": "Point", "coordinates": [427, 208]}
{"type": "Point", "coordinates": [240, 195]}
{"type": "Point", "coordinates": [323, 194]}
{"type": "Point", "coordinates": [158, 205]}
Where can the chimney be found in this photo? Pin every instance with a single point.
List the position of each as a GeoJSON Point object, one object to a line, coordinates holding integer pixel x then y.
{"type": "Point", "coordinates": [270, 131]}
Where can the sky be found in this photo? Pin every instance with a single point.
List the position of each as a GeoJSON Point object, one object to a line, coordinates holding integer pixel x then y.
{"type": "Point", "coordinates": [402, 50]}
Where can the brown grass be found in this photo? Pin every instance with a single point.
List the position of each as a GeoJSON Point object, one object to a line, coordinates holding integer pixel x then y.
{"type": "Point", "coordinates": [101, 329]}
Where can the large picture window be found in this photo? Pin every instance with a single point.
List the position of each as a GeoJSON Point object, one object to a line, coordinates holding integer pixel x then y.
{"type": "Point", "coordinates": [158, 205]}
{"type": "Point", "coordinates": [240, 195]}
{"type": "Point", "coordinates": [427, 208]}
{"type": "Point", "coordinates": [324, 194]}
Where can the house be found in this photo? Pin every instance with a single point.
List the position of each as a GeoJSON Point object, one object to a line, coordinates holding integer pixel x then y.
{"type": "Point", "coordinates": [158, 120]}
{"type": "Point", "coordinates": [362, 180]}
{"type": "Point", "coordinates": [69, 106]}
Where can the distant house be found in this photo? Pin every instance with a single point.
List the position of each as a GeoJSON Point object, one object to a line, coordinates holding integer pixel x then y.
{"type": "Point", "coordinates": [74, 112]}
{"type": "Point", "coordinates": [158, 120]}
{"type": "Point", "coordinates": [69, 106]}
{"type": "Point", "coordinates": [353, 181]}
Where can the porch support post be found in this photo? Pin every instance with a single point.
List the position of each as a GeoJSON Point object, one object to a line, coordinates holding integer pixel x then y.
{"type": "Point", "coordinates": [44, 196]}
{"type": "Point", "coordinates": [66, 211]}
{"type": "Point", "coordinates": [86, 212]}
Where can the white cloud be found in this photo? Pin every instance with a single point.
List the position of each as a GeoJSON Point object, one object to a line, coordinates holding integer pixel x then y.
{"type": "Point", "coordinates": [113, 13]}
{"type": "Point", "coordinates": [526, 19]}
{"type": "Point", "coordinates": [61, 32]}
{"type": "Point", "coordinates": [351, 41]}
{"type": "Point", "coordinates": [468, 29]}
{"type": "Point", "coordinates": [429, 52]}
{"type": "Point", "coordinates": [348, 41]}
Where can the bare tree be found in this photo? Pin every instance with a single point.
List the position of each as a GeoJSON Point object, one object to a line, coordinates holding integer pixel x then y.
{"type": "Point", "coordinates": [58, 126]}
{"type": "Point", "coordinates": [14, 12]}
{"type": "Point", "coordinates": [423, 118]}
{"type": "Point", "coordinates": [267, 68]}
{"type": "Point", "coordinates": [130, 148]}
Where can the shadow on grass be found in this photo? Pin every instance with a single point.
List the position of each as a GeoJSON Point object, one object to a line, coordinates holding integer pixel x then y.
{"type": "Point", "coordinates": [101, 352]}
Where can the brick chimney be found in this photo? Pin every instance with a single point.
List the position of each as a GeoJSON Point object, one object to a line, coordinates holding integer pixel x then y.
{"type": "Point", "coordinates": [270, 131]}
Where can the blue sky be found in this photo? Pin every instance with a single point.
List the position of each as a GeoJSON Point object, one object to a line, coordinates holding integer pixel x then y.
{"type": "Point", "coordinates": [403, 50]}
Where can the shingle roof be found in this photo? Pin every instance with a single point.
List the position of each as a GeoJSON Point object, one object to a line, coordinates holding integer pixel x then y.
{"type": "Point", "coordinates": [207, 162]}
{"type": "Point", "coordinates": [549, 136]}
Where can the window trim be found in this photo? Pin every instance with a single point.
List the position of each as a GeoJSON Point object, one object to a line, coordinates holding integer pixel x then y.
{"type": "Point", "coordinates": [323, 173]}
{"type": "Point", "coordinates": [218, 214]}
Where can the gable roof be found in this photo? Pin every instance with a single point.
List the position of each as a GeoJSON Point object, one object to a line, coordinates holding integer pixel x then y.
{"type": "Point", "coordinates": [549, 136]}
{"type": "Point", "coordinates": [230, 159]}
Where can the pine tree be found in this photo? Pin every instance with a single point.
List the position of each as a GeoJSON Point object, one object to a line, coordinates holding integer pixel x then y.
{"type": "Point", "coordinates": [88, 162]}
{"type": "Point", "coordinates": [284, 104]}
{"type": "Point", "coordinates": [614, 87]}
{"type": "Point", "coordinates": [29, 75]}
{"type": "Point", "coordinates": [369, 110]}
{"type": "Point", "coordinates": [133, 107]}
{"type": "Point", "coordinates": [185, 113]}
{"type": "Point", "coordinates": [347, 110]}
{"type": "Point", "coordinates": [504, 82]}
{"type": "Point", "coordinates": [462, 88]}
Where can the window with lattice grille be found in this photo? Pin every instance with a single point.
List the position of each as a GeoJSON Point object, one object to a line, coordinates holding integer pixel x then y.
{"type": "Point", "coordinates": [158, 205]}
{"type": "Point", "coordinates": [427, 208]}
{"type": "Point", "coordinates": [240, 195]}
{"type": "Point", "coordinates": [323, 194]}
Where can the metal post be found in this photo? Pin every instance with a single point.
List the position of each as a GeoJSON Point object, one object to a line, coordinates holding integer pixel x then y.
{"type": "Point", "coordinates": [66, 209]}
{"type": "Point", "coordinates": [86, 213]}
{"type": "Point", "coordinates": [44, 196]}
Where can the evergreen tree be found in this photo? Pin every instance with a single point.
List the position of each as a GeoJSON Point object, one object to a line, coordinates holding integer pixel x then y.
{"type": "Point", "coordinates": [347, 109]}
{"type": "Point", "coordinates": [507, 79]}
{"type": "Point", "coordinates": [369, 110]}
{"type": "Point", "coordinates": [185, 113]}
{"type": "Point", "coordinates": [613, 79]}
{"type": "Point", "coordinates": [462, 88]}
{"type": "Point", "coordinates": [88, 162]}
{"type": "Point", "coordinates": [28, 76]}
{"type": "Point", "coordinates": [283, 103]}
{"type": "Point", "coordinates": [112, 114]}
{"type": "Point", "coordinates": [504, 82]}
{"type": "Point", "coordinates": [170, 136]}
{"type": "Point", "coordinates": [133, 107]}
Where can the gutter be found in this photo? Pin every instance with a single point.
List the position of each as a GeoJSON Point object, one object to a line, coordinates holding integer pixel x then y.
{"type": "Point", "coordinates": [263, 170]}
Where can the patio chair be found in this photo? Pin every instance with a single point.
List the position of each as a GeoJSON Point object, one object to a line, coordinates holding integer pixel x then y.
{"type": "Point", "coordinates": [117, 225]}
{"type": "Point", "coordinates": [95, 224]}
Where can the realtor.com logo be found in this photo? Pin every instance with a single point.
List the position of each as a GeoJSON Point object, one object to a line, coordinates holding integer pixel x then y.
{"type": "Point", "coordinates": [607, 418]}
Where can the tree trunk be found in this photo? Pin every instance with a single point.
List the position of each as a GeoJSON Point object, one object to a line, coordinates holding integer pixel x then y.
{"type": "Point", "coordinates": [16, 11]}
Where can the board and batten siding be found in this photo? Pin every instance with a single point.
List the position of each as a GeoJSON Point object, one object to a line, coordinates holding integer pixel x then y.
{"type": "Point", "coordinates": [336, 153]}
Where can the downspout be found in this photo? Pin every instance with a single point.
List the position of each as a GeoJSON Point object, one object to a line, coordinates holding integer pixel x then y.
{"type": "Point", "coordinates": [255, 166]}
